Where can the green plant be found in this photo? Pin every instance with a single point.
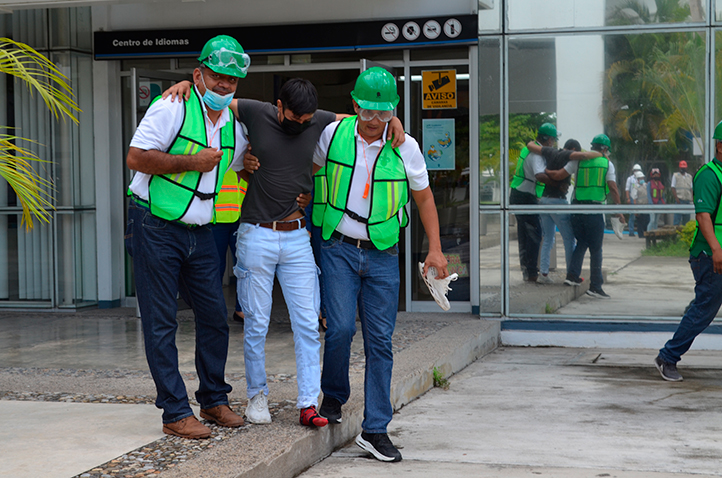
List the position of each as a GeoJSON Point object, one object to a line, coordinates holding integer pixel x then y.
{"type": "Point", "coordinates": [548, 308]}
{"type": "Point", "coordinates": [40, 75]}
{"type": "Point", "coordinates": [674, 248]}
{"type": "Point", "coordinates": [686, 235]}
{"type": "Point", "coordinates": [439, 380]}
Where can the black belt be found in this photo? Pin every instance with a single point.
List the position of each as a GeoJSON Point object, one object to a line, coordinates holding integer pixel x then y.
{"type": "Point", "coordinates": [284, 225]}
{"type": "Point", "coordinates": [143, 204]}
{"type": "Point", "coordinates": [360, 243]}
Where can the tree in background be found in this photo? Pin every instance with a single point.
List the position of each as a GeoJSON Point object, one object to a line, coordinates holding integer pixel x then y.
{"type": "Point", "coordinates": [40, 75]}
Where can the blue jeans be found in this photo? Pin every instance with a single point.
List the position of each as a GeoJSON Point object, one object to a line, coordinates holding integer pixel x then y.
{"type": "Point", "coordinates": [704, 308]}
{"type": "Point", "coordinates": [224, 233]}
{"type": "Point", "coordinates": [631, 221]}
{"type": "Point", "coordinates": [262, 254]}
{"type": "Point", "coordinates": [589, 232]}
{"type": "Point", "coordinates": [652, 226]}
{"type": "Point", "coordinates": [681, 219]}
{"type": "Point", "coordinates": [529, 233]}
{"type": "Point", "coordinates": [169, 257]}
{"type": "Point", "coordinates": [549, 223]}
{"type": "Point", "coordinates": [369, 278]}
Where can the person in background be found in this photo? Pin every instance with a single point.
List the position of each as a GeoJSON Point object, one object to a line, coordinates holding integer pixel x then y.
{"type": "Point", "coordinates": [631, 181]}
{"type": "Point", "coordinates": [655, 195]}
{"type": "Point", "coordinates": [640, 197]}
{"type": "Point", "coordinates": [705, 259]}
{"type": "Point", "coordinates": [682, 191]}
{"type": "Point", "coordinates": [227, 220]}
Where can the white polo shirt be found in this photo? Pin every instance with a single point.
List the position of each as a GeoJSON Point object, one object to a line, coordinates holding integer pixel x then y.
{"type": "Point", "coordinates": [366, 154]}
{"type": "Point", "coordinates": [158, 130]}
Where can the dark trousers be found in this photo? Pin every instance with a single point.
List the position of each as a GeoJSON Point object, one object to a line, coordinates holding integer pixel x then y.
{"type": "Point", "coordinates": [529, 233]}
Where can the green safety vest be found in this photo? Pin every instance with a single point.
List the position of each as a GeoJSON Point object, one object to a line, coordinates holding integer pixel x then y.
{"type": "Point", "coordinates": [717, 216]}
{"type": "Point", "coordinates": [230, 198]}
{"type": "Point", "coordinates": [519, 177]}
{"type": "Point", "coordinates": [170, 195]}
{"type": "Point", "coordinates": [389, 191]}
{"type": "Point", "coordinates": [591, 182]}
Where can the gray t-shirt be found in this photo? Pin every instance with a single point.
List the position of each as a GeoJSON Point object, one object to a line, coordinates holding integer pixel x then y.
{"type": "Point", "coordinates": [286, 161]}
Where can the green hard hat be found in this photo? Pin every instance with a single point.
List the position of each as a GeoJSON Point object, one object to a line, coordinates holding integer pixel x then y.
{"type": "Point", "coordinates": [602, 139]}
{"type": "Point", "coordinates": [718, 131]}
{"type": "Point", "coordinates": [548, 129]}
{"type": "Point", "coordinates": [376, 90]}
{"type": "Point", "coordinates": [223, 54]}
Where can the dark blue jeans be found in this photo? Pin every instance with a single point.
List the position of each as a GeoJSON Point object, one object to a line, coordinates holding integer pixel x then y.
{"type": "Point", "coordinates": [369, 278]}
{"type": "Point", "coordinates": [528, 233]}
{"type": "Point", "coordinates": [224, 233]}
{"type": "Point", "coordinates": [169, 257]}
{"type": "Point", "coordinates": [704, 308]}
{"type": "Point", "coordinates": [589, 233]}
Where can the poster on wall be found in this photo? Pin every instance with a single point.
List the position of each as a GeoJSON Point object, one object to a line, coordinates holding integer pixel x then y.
{"type": "Point", "coordinates": [438, 89]}
{"type": "Point", "coordinates": [439, 144]}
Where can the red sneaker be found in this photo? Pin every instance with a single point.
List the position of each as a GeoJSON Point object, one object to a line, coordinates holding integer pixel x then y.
{"type": "Point", "coordinates": [310, 418]}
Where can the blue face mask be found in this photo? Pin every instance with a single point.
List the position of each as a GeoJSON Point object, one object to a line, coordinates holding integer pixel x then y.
{"type": "Point", "coordinates": [215, 101]}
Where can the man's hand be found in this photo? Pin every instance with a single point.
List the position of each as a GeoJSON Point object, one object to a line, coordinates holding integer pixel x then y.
{"type": "Point", "coordinates": [396, 133]}
{"type": "Point", "coordinates": [621, 218]}
{"type": "Point", "coordinates": [717, 261]}
{"type": "Point", "coordinates": [206, 159]}
{"type": "Point", "coordinates": [182, 88]}
{"type": "Point", "coordinates": [250, 162]}
{"type": "Point", "coordinates": [304, 199]}
{"type": "Point", "coordinates": [437, 260]}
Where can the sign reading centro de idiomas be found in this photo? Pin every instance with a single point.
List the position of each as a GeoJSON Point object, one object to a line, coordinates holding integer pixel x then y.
{"type": "Point", "coordinates": [292, 39]}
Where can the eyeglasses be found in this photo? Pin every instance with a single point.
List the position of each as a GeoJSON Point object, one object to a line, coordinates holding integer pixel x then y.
{"type": "Point", "coordinates": [368, 115]}
{"type": "Point", "coordinates": [226, 58]}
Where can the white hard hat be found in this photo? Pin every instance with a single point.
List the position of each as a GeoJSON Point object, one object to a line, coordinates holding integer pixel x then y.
{"type": "Point", "coordinates": [638, 174]}
{"type": "Point", "coordinates": [636, 167]}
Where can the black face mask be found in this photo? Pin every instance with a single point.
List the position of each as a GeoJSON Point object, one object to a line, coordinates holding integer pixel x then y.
{"type": "Point", "coordinates": [294, 127]}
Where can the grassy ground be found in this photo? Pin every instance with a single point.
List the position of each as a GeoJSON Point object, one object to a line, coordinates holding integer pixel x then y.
{"type": "Point", "coordinates": [675, 248]}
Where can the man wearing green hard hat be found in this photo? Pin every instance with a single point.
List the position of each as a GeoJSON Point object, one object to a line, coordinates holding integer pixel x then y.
{"type": "Point", "coordinates": [527, 185]}
{"type": "Point", "coordinates": [181, 152]}
{"type": "Point", "coordinates": [596, 179]}
{"type": "Point", "coordinates": [705, 259]}
{"type": "Point", "coordinates": [359, 201]}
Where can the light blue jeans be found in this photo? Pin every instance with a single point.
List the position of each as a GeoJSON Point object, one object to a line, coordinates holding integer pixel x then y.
{"type": "Point", "coordinates": [548, 222]}
{"type": "Point", "coordinates": [262, 254]}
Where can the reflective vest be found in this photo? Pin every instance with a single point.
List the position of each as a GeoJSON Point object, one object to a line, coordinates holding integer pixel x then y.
{"type": "Point", "coordinates": [170, 195]}
{"type": "Point", "coordinates": [591, 182]}
{"type": "Point", "coordinates": [657, 188]}
{"type": "Point", "coordinates": [389, 190]}
{"type": "Point", "coordinates": [683, 186]}
{"type": "Point", "coordinates": [519, 176]}
{"type": "Point", "coordinates": [230, 198]}
{"type": "Point", "coordinates": [717, 215]}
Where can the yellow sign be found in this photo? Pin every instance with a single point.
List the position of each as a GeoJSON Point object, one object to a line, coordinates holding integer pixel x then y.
{"type": "Point", "coordinates": [438, 89]}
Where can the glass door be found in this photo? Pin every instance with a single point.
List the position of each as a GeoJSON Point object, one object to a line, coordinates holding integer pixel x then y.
{"type": "Point", "coordinates": [139, 88]}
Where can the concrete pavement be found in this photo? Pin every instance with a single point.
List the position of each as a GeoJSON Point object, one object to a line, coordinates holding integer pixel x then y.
{"type": "Point", "coordinates": [556, 412]}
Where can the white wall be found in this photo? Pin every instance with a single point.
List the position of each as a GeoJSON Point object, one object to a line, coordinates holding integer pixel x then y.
{"type": "Point", "coordinates": [219, 13]}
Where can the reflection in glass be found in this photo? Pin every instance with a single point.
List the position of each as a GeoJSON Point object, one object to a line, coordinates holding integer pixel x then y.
{"type": "Point", "coordinates": [534, 15]}
{"type": "Point", "coordinates": [490, 296]}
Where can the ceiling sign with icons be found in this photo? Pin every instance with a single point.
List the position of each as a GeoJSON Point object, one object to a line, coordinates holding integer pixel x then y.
{"type": "Point", "coordinates": [438, 89]}
{"type": "Point", "coordinates": [423, 32]}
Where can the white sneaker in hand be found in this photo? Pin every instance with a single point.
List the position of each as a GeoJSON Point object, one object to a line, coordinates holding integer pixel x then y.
{"type": "Point", "coordinates": [617, 227]}
{"type": "Point", "coordinates": [437, 287]}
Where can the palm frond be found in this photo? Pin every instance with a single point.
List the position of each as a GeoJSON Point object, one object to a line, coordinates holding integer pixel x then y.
{"type": "Point", "coordinates": [39, 74]}
{"type": "Point", "coordinates": [33, 191]}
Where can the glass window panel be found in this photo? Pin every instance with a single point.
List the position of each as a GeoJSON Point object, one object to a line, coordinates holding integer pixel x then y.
{"type": "Point", "coordinates": [558, 14]}
{"type": "Point", "coordinates": [26, 265]}
{"type": "Point", "coordinates": [490, 15]}
{"type": "Point", "coordinates": [77, 269]}
{"type": "Point", "coordinates": [490, 274]}
{"type": "Point", "coordinates": [489, 121]}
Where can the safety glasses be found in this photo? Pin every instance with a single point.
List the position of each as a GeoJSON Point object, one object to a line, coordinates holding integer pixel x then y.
{"type": "Point", "coordinates": [368, 115]}
{"type": "Point", "coordinates": [226, 58]}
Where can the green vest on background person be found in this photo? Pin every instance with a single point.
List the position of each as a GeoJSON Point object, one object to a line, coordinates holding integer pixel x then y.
{"type": "Point", "coordinates": [519, 177]}
{"type": "Point", "coordinates": [170, 195]}
{"type": "Point", "coordinates": [717, 219]}
{"type": "Point", "coordinates": [230, 198]}
{"type": "Point", "coordinates": [389, 189]}
{"type": "Point", "coordinates": [591, 184]}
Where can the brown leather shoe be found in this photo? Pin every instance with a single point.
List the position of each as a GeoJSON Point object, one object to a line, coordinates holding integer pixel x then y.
{"type": "Point", "coordinates": [188, 427]}
{"type": "Point", "coordinates": [222, 415]}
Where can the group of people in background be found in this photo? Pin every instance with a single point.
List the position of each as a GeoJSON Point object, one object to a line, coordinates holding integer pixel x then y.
{"type": "Point", "coordinates": [642, 191]}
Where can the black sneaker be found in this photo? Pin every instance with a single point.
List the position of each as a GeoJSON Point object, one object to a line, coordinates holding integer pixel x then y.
{"type": "Point", "coordinates": [575, 281]}
{"type": "Point", "coordinates": [598, 293]}
{"type": "Point", "coordinates": [379, 445]}
{"type": "Point", "coordinates": [667, 370]}
{"type": "Point", "coordinates": [330, 410]}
